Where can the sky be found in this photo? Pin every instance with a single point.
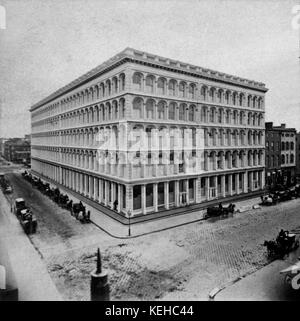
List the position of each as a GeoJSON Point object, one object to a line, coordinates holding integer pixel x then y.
{"type": "Point", "coordinates": [47, 44]}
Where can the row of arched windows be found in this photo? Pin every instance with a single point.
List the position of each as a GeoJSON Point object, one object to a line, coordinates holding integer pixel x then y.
{"type": "Point", "coordinates": [183, 89]}
{"type": "Point", "coordinates": [110, 111]}
{"type": "Point", "coordinates": [287, 145]}
{"type": "Point", "coordinates": [89, 159]}
{"type": "Point", "coordinates": [102, 90]}
{"type": "Point", "coordinates": [162, 110]}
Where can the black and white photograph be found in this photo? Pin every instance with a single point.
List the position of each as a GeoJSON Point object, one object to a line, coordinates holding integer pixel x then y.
{"type": "Point", "coordinates": [149, 152]}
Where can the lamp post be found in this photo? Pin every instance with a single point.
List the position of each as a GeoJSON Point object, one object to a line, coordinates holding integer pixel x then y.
{"type": "Point", "coordinates": [129, 216]}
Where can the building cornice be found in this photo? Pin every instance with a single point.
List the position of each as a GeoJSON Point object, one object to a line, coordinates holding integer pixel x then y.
{"type": "Point", "coordinates": [139, 57]}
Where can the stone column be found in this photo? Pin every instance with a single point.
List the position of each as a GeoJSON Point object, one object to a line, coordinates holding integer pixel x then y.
{"type": "Point", "coordinates": [216, 185]}
{"type": "Point", "coordinates": [186, 188]}
{"type": "Point", "coordinates": [91, 191]}
{"type": "Point", "coordinates": [207, 188]}
{"type": "Point", "coordinates": [143, 195]}
{"type": "Point", "coordinates": [129, 197]}
{"type": "Point", "coordinates": [223, 193]}
{"type": "Point", "coordinates": [155, 197]}
{"type": "Point", "coordinates": [106, 193]}
{"type": "Point", "coordinates": [119, 198]}
{"type": "Point", "coordinates": [166, 195]}
{"type": "Point", "coordinates": [245, 182]}
{"type": "Point", "coordinates": [113, 193]}
{"type": "Point", "coordinates": [96, 188]}
{"type": "Point", "coordinates": [198, 190]}
{"type": "Point", "coordinates": [263, 183]}
{"type": "Point", "coordinates": [237, 189]}
{"type": "Point", "coordinates": [100, 189]}
{"type": "Point", "coordinates": [230, 184]}
{"type": "Point", "coordinates": [86, 177]}
{"type": "Point", "coordinates": [251, 180]}
{"type": "Point", "coordinates": [176, 193]}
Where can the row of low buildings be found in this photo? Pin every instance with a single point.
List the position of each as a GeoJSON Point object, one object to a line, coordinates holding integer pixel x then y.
{"type": "Point", "coordinates": [143, 133]}
{"type": "Point", "coordinates": [17, 150]}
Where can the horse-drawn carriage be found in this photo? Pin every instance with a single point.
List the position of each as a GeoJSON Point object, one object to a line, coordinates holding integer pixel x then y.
{"type": "Point", "coordinates": [25, 216]}
{"type": "Point", "coordinates": [220, 210]}
{"type": "Point", "coordinates": [269, 199]}
{"type": "Point", "coordinates": [284, 243]}
{"type": "Point", "coordinates": [80, 213]}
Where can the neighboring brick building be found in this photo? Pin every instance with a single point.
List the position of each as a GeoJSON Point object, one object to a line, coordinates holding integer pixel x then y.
{"type": "Point", "coordinates": [273, 155]}
{"type": "Point", "coordinates": [280, 154]}
{"type": "Point", "coordinates": [17, 150]}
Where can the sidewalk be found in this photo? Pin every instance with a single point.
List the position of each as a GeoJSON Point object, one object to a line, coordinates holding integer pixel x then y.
{"type": "Point", "coordinates": [33, 281]}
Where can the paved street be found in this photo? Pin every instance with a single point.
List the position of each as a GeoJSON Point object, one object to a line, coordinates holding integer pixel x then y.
{"type": "Point", "coordinates": [186, 262]}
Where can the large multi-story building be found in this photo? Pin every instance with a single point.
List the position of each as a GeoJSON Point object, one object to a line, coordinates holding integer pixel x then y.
{"type": "Point", "coordinates": [280, 154]}
{"type": "Point", "coordinates": [143, 133]}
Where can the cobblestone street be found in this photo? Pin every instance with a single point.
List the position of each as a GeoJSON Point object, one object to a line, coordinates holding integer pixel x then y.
{"type": "Point", "coordinates": [183, 263]}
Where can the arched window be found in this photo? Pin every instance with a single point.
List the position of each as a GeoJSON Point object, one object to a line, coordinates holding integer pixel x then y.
{"type": "Point", "coordinates": [172, 87]}
{"type": "Point", "coordinates": [241, 118]}
{"type": "Point", "coordinates": [219, 115]}
{"type": "Point", "coordinates": [108, 87]}
{"type": "Point", "coordinates": [182, 89]}
{"type": "Point", "coordinates": [203, 114]}
{"type": "Point", "coordinates": [161, 110]}
{"type": "Point", "coordinates": [191, 113]}
{"type": "Point", "coordinates": [204, 93]}
{"type": "Point", "coordinates": [227, 97]}
{"type": "Point", "coordinates": [287, 159]}
{"type": "Point", "coordinates": [182, 112]}
{"type": "Point", "coordinates": [150, 109]}
{"type": "Point", "coordinates": [234, 99]}
{"type": "Point", "coordinates": [122, 82]}
{"type": "Point", "coordinates": [150, 84]}
{"type": "Point", "coordinates": [249, 101]}
{"type": "Point", "coordinates": [227, 116]}
{"type": "Point", "coordinates": [212, 94]}
{"type": "Point", "coordinates": [219, 95]}
{"type": "Point", "coordinates": [172, 107]}
{"type": "Point", "coordinates": [137, 81]}
{"type": "Point", "coordinates": [249, 118]}
{"type": "Point", "coordinates": [292, 145]}
{"type": "Point", "coordinates": [287, 146]}
{"type": "Point", "coordinates": [282, 145]}
{"type": "Point", "coordinates": [212, 115]}
{"type": "Point", "coordinates": [115, 85]}
{"type": "Point", "coordinates": [292, 158]}
{"type": "Point", "coordinates": [254, 101]}
{"type": "Point", "coordinates": [161, 85]}
{"type": "Point", "coordinates": [192, 91]}
{"type": "Point", "coordinates": [241, 100]}
{"type": "Point", "coordinates": [235, 115]}
{"type": "Point", "coordinates": [282, 159]}
{"type": "Point", "coordinates": [137, 108]}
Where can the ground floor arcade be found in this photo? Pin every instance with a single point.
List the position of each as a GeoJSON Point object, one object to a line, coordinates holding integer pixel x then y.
{"type": "Point", "coordinates": [143, 198]}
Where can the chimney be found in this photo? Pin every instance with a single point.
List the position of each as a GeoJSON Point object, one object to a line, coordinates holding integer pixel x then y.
{"type": "Point", "coordinates": [282, 126]}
